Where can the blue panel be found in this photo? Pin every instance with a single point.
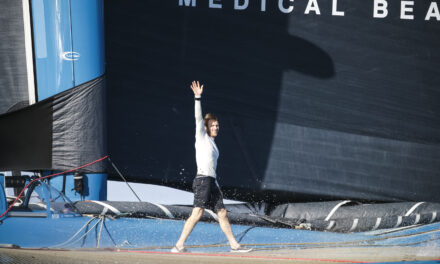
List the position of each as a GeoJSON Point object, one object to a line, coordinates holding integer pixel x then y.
{"type": "Point", "coordinates": [88, 39]}
{"type": "Point", "coordinates": [53, 51]}
{"type": "Point", "coordinates": [95, 187]}
{"type": "Point", "coordinates": [207, 237]}
{"type": "Point", "coordinates": [3, 203]}
{"type": "Point", "coordinates": [2, 179]}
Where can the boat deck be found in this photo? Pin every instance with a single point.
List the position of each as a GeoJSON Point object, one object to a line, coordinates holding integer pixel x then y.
{"type": "Point", "coordinates": [323, 255]}
{"type": "Point", "coordinates": [127, 240]}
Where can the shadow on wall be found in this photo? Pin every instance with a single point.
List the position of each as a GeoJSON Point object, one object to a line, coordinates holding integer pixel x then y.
{"type": "Point", "coordinates": [154, 51]}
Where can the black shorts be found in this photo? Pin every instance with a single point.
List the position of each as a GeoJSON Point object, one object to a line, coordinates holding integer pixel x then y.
{"type": "Point", "coordinates": [207, 194]}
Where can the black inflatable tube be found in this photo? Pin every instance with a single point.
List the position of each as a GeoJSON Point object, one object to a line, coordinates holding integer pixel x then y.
{"type": "Point", "coordinates": [325, 217]}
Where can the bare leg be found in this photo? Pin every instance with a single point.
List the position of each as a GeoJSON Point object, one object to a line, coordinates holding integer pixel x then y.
{"type": "Point", "coordinates": [189, 226]}
{"type": "Point", "coordinates": [226, 228]}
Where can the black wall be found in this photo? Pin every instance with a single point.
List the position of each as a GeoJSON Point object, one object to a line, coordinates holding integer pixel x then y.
{"type": "Point", "coordinates": [311, 107]}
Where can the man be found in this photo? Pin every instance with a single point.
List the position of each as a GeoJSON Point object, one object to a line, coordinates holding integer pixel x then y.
{"type": "Point", "coordinates": [207, 194]}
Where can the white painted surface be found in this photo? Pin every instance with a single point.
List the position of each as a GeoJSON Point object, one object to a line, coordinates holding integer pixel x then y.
{"type": "Point", "coordinates": [119, 191]}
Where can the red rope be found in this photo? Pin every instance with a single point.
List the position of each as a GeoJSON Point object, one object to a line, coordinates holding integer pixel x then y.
{"type": "Point", "coordinates": [48, 176]}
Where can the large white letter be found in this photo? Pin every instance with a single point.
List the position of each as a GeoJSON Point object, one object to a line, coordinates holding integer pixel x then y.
{"type": "Point", "coordinates": [215, 5]}
{"type": "Point", "coordinates": [263, 5]}
{"type": "Point", "coordinates": [406, 6]}
{"type": "Point", "coordinates": [380, 8]}
{"type": "Point", "coordinates": [433, 12]}
{"type": "Point", "coordinates": [283, 9]}
{"type": "Point", "coordinates": [335, 11]}
{"type": "Point", "coordinates": [187, 2]}
{"type": "Point", "coordinates": [312, 5]}
{"type": "Point", "coordinates": [241, 7]}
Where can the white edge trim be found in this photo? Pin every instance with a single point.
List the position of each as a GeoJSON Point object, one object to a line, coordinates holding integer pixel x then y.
{"type": "Point", "coordinates": [399, 221]}
{"type": "Point", "coordinates": [212, 214]}
{"type": "Point", "coordinates": [164, 209]}
{"type": "Point", "coordinates": [114, 210]}
{"type": "Point", "coordinates": [29, 51]}
{"type": "Point", "coordinates": [416, 221]}
{"type": "Point", "coordinates": [330, 225]}
{"type": "Point", "coordinates": [434, 216]}
{"type": "Point", "coordinates": [335, 208]}
{"type": "Point", "coordinates": [378, 220]}
{"type": "Point", "coordinates": [104, 211]}
{"type": "Point", "coordinates": [355, 223]}
{"type": "Point", "coordinates": [413, 208]}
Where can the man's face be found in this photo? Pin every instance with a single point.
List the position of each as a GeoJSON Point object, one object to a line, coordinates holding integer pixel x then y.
{"type": "Point", "coordinates": [213, 128]}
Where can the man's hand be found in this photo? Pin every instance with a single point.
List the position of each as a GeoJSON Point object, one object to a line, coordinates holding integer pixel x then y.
{"type": "Point", "coordinates": [197, 89]}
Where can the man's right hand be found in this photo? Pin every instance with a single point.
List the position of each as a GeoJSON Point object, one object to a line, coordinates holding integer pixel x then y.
{"type": "Point", "coordinates": [197, 89]}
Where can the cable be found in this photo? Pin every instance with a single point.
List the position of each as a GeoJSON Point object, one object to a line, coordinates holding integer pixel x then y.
{"type": "Point", "coordinates": [240, 237]}
{"type": "Point", "coordinates": [100, 230]}
{"type": "Point", "coordinates": [72, 237]}
{"type": "Point", "coordinates": [120, 174]}
{"type": "Point", "coordinates": [108, 233]}
{"type": "Point", "coordinates": [85, 234]}
{"type": "Point", "coordinates": [48, 176]}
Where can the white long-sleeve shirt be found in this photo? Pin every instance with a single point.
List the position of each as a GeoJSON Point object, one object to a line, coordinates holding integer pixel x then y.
{"type": "Point", "coordinates": [206, 150]}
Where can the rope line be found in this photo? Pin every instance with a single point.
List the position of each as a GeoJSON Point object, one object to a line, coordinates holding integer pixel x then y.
{"type": "Point", "coordinates": [120, 174]}
{"type": "Point", "coordinates": [85, 234]}
{"type": "Point", "coordinates": [72, 237]}
{"type": "Point", "coordinates": [100, 230]}
{"type": "Point", "coordinates": [48, 176]}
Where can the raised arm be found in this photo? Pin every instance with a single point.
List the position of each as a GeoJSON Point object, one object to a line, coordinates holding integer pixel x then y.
{"type": "Point", "coordinates": [198, 90]}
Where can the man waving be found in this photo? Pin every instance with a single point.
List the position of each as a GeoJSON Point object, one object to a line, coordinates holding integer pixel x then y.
{"type": "Point", "coordinates": [207, 194]}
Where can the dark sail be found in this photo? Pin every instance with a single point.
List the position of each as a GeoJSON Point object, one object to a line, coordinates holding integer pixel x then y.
{"type": "Point", "coordinates": [62, 132]}
{"type": "Point", "coordinates": [317, 100]}
{"type": "Point", "coordinates": [13, 82]}
{"type": "Point", "coordinates": [311, 106]}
